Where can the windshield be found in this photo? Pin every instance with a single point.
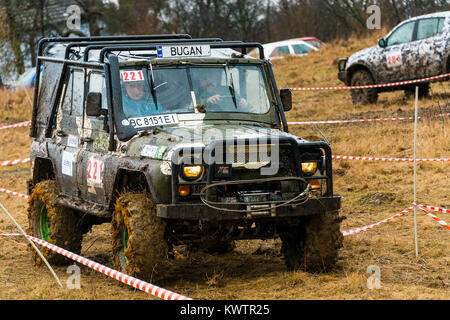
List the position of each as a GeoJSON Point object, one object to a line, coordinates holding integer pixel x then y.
{"type": "Point", "coordinates": [159, 90]}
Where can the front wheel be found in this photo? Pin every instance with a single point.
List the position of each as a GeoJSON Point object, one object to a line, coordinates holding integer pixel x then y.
{"type": "Point", "coordinates": [140, 248]}
{"type": "Point", "coordinates": [363, 96]}
{"type": "Point", "coordinates": [53, 223]}
{"type": "Point", "coordinates": [313, 246]}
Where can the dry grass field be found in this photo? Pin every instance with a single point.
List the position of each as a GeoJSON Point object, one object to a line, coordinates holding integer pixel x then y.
{"type": "Point", "coordinates": [371, 191]}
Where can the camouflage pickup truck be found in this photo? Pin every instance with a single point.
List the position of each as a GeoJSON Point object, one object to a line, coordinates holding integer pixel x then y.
{"type": "Point", "coordinates": [415, 49]}
{"type": "Point", "coordinates": [174, 141]}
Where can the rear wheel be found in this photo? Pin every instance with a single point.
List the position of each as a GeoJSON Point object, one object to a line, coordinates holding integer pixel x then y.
{"type": "Point", "coordinates": [53, 223]}
{"type": "Point", "coordinates": [424, 90]}
{"type": "Point", "coordinates": [363, 96]}
{"type": "Point", "coordinates": [314, 245]}
{"type": "Point", "coordinates": [139, 241]}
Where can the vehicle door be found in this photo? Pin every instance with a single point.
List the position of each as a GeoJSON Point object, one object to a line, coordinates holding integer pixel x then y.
{"type": "Point", "coordinates": [397, 58]}
{"type": "Point", "coordinates": [93, 156]}
{"type": "Point", "coordinates": [68, 129]}
{"type": "Point", "coordinates": [429, 47]}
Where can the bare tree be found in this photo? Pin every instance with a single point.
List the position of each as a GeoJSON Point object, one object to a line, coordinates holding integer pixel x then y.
{"type": "Point", "coordinates": [14, 35]}
{"type": "Point", "coordinates": [93, 11]}
{"type": "Point", "coordinates": [247, 18]}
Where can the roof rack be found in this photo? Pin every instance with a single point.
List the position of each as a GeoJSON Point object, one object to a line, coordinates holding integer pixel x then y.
{"type": "Point", "coordinates": [109, 44]}
{"type": "Point", "coordinates": [110, 39]}
{"type": "Point", "coordinates": [213, 45]}
{"type": "Point", "coordinates": [101, 45]}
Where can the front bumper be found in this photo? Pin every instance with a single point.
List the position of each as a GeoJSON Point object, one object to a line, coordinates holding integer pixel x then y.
{"type": "Point", "coordinates": [199, 211]}
{"type": "Point", "coordinates": [342, 75]}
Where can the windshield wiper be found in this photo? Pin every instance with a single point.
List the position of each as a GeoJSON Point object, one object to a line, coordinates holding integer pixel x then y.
{"type": "Point", "coordinates": [152, 86]}
{"type": "Point", "coordinates": [231, 87]}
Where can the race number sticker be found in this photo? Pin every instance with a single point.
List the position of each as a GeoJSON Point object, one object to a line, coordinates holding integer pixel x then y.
{"type": "Point", "coordinates": [67, 163]}
{"type": "Point", "coordinates": [153, 121]}
{"type": "Point", "coordinates": [394, 58]}
{"type": "Point", "coordinates": [183, 51]}
{"type": "Point", "coordinates": [132, 75]}
{"type": "Point", "coordinates": [95, 172]}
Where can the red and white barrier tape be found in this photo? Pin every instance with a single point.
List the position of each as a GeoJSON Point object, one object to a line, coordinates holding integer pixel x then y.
{"type": "Point", "coordinates": [370, 226]}
{"type": "Point", "coordinates": [421, 207]}
{"type": "Point", "coordinates": [441, 222]}
{"type": "Point", "coordinates": [388, 159]}
{"type": "Point", "coordinates": [364, 120]}
{"type": "Point", "coordinates": [437, 209]}
{"type": "Point", "coordinates": [131, 281]}
{"type": "Point", "coordinates": [383, 85]}
{"type": "Point", "coordinates": [13, 162]}
{"type": "Point", "coordinates": [13, 193]}
{"type": "Point", "coordinates": [20, 124]}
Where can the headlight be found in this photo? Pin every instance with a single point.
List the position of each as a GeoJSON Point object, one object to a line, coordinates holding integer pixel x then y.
{"type": "Point", "coordinates": [309, 168]}
{"type": "Point", "coordinates": [192, 172]}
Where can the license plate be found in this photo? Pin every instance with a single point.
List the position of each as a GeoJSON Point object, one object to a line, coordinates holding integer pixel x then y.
{"type": "Point", "coordinates": [255, 197]}
{"type": "Point", "coordinates": [153, 121]}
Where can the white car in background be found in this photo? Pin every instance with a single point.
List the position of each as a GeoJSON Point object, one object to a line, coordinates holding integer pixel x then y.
{"type": "Point", "coordinates": [295, 47]}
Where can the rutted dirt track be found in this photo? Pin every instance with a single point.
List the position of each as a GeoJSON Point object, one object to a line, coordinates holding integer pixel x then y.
{"type": "Point", "coordinates": [372, 191]}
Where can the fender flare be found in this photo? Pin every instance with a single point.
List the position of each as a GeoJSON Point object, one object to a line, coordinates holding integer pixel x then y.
{"type": "Point", "coordinates": [358, 66]}
{"type": "Point", "coordinates": [40, 166]}
{"type": "Point", "coordinates": [132, 180]}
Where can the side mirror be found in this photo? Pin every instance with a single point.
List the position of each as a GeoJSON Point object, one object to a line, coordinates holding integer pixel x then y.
{"type": "Point", "coordinates": [286, 98]}
{"type": "Point", "coordinates": [94, 104]}
{"type": "Point", "coordinates": [382, 43]}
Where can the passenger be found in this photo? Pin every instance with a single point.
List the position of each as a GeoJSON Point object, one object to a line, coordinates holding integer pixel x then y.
{"type": "Point", "coordinates": [137, 101]}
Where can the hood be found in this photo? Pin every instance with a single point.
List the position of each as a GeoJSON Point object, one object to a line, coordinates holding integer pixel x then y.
{"type": "Point", "coordinates": [160, 143]}
{"type": "Point", "coordinates": [361, 55]}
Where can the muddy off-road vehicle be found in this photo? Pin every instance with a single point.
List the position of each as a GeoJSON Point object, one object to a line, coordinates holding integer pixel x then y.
{"type": "Point", "coordinates": [415, 49]}
{"type": "Point", "coordinates": [178, 142]}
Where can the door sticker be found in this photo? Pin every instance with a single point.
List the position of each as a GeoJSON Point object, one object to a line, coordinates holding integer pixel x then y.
{"type": "Point", "coordinates": [394, 58]}
{"type": "Point", "coordinates": [95, 172]}
{"type": "Point", "coordinates": [72, 141]}
{"type": "Point", "coordinates": [67, 163]}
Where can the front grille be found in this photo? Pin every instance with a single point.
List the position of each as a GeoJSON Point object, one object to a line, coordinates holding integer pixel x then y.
{"type": "Point", "coordinates": [236, 163]}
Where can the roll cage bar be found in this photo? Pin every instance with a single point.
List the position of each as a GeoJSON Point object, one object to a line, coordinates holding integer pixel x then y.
{"type": "Point", "coordinates": [107, 45]}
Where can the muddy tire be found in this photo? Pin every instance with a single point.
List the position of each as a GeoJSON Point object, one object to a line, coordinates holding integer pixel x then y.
{"type": "Point", "coordinates": [424, 91]}
{"type": "Point", "coordinates": [139, 241]}
{"type": "Point", "coordinates": [363, 96]}
{"type": "Point", "coordinates": [53, 223]}
{"type": "Point", "coordinates": [313, 246]}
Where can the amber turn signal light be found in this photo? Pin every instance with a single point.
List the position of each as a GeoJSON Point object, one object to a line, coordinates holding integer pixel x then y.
{"type": "Point", "coordinates": [184, 190]}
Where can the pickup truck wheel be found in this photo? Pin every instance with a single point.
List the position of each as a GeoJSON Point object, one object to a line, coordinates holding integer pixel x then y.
{"type": "Point", "coordinates": [139, 241]}
{"type": "Point", "coordinates": [313, 246]}
{"type": "Point", "coordinates": [363, 96]}
{"type": "Point", "coordinates": [53, 223]}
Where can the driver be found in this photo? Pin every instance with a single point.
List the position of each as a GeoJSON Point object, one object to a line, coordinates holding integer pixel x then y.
{"type": "Point", "coordinates": [212, 94]}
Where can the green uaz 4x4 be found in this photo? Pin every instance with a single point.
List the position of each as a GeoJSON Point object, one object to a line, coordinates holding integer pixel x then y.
{"type": "Point", "coordinates": [175, 141]}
